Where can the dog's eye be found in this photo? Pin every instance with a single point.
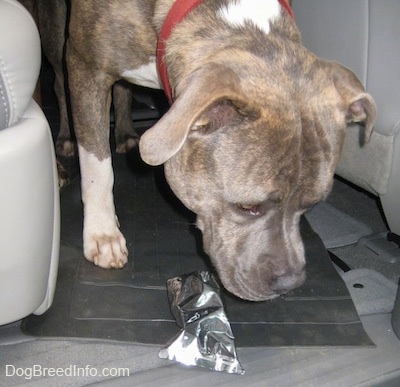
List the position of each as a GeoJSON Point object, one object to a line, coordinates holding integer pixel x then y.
{"type": "Point", "coordinates": [251, 209]}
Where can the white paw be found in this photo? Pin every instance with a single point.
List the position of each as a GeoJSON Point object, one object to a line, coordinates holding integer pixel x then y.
{"type": "Point", "coordinates": [106, 250]}
{"type": "Point", "coordinates": [103, 243]}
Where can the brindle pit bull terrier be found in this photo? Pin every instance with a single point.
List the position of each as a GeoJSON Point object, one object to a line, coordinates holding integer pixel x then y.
{"type": "Point", "coordinates": [250, 142]}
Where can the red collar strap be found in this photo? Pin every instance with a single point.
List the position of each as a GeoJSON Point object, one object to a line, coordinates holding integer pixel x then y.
{"type": "Point", "coordinates": [285, 4]}
{"type": "Point", "coordinates": [178, 11]}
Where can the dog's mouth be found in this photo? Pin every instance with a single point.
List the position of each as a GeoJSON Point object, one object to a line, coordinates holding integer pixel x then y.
{"type": "Point", "coordinates": [249, 295]}
{"type": "Point", "coordinates": [258, 290]}
{"type": "Point", "coordinates": [241, 287]}
{"type": "Point", "coordinates": [257, 285]}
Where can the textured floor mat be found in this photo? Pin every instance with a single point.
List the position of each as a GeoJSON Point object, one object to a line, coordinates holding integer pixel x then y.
{"type": "Point", "coordinates": [131, 304]}
{"type": "Point", "coordinates": [335, 227]}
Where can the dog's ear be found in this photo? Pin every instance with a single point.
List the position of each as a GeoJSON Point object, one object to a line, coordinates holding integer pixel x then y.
{"type": "Point", "coordinates": [201, 91]}
{"type": "Point", "coordinates": [359, 105]}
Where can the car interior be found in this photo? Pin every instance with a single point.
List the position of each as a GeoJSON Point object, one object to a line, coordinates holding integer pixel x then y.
{"type": "Point", "coordinates": [65, 321]}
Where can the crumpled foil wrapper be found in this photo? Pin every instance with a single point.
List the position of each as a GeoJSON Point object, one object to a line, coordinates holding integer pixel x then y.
{"type": "Point", "coordinates": [206, 338]}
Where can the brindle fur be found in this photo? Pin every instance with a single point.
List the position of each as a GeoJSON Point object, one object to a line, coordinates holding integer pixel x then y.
{"type": "Point", "coordinates": [252, 139]}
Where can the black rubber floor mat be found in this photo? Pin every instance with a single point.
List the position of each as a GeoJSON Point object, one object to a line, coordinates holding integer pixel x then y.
{"type": "Point", "coordinates": [131, 304]}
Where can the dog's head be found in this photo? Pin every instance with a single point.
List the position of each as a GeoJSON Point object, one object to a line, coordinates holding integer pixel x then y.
{"type": "Point", "coordinates": [249, 148]}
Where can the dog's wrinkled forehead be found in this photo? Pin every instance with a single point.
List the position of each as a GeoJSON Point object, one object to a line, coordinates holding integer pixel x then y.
{"type": "Point", "coordinates": [248, 133]}
{"type": "Point", "coordinates": [270, 156]}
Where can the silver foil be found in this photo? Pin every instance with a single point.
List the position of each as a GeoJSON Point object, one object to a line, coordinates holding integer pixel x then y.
{"type": "Point", "coordinates": [206, 338]}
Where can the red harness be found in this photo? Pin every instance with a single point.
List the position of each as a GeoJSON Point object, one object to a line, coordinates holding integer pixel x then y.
{"type": "Point", "coordinates": [177, 12]}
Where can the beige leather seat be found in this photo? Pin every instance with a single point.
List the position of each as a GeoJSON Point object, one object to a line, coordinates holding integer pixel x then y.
{"type": "Point", "coordinates": [29, 200]}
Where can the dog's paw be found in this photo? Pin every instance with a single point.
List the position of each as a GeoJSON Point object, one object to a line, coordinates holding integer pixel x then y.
{"type": "Point", "coordinates": [108, 251]}
{"type": "Point", "coordinates": [65, 147]}
{"type": "Point", "coordinates": [63, 177]}
{"type": "Point", "coordinates": [127, 145]}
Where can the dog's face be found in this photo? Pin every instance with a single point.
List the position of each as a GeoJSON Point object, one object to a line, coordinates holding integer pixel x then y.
{"type": "Point", "coordinates": [245, 181]}
{"type": "Point", "coordinates": [249, 155]}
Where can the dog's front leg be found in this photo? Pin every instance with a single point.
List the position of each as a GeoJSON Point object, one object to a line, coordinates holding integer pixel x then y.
{"type": "Point", "coordinates": [103, 242]}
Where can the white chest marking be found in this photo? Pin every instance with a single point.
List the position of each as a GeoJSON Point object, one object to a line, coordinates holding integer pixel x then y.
{"type": "Point", "coordinates": [145, 75]}
{"type": "Point", "coordinates": [259, 12]}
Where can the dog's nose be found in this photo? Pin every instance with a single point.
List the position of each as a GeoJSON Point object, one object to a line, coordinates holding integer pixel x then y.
{"type": "Point", "coordinates": [287, 282]}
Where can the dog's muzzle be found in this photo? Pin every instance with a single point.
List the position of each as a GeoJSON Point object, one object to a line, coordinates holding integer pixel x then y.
{"type": "Point", "coordinates": [264, 286]}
